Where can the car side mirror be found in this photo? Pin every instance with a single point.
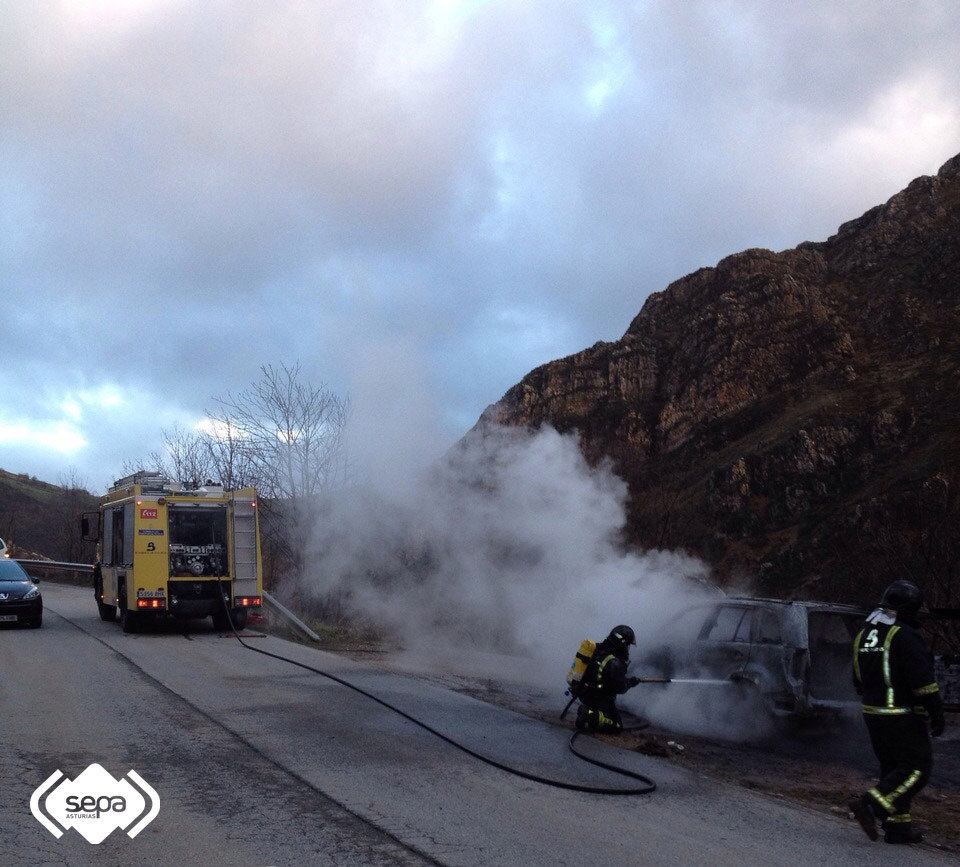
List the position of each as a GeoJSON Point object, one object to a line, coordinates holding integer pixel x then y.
{"type": "Point", "coordinates": [35, 580]}
{"type": "Point", "coordinates": [90, 526]}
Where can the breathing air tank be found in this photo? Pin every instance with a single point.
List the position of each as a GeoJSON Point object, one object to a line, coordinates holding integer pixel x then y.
{"type": "Point", "coordinates": [580, 662]}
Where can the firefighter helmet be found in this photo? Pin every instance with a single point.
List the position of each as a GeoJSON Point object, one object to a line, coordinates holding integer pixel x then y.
{"type": "Point", "coordinates": [622, 637]}
{"type": "Point", "coordinates": [903, 596]}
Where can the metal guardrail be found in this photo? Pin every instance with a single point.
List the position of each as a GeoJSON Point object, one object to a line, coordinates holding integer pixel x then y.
{"type": "Point", "coordinates": [54, 564]}
{"type": "Point", "coordinates": [268, 597]}
{"type": "Point", "coordinates": [289, 616]}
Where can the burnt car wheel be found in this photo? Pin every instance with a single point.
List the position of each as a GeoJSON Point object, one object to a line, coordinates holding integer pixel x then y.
{"type": "Point", "coordinates": [747, 709]}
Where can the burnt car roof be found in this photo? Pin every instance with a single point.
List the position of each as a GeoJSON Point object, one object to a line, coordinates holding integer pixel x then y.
{"type": "Point", "coordinates": [840, 608]}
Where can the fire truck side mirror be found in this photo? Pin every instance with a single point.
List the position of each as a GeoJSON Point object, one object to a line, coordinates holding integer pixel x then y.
{"type": "Point", "coordinates": [90, 526]}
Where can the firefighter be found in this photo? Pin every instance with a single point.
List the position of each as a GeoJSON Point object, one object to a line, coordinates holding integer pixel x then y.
{"type": "Point", "coordinates": [893, 672]}
{"type": "Point", "coordinates": [605, 679]}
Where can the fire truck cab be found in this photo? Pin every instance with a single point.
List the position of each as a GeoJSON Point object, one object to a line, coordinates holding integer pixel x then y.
{"type": "Point", "coordinates": [169, 548]}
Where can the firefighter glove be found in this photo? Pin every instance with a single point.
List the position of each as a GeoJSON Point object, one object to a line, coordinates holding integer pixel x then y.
{"type": "Point", "coordinates": [632, 682]}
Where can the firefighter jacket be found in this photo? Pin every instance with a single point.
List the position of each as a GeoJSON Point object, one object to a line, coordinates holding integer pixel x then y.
{"type": "Point", "coordinates": [893, 670]}
{"type": "Point", "coordinates": [606, 676]}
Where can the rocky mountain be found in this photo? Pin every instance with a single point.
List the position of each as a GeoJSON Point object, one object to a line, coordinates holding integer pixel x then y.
{"type": "Point", "coordinates": [794, 417]}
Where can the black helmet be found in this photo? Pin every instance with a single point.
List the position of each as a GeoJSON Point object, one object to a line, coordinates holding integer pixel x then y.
{"type": "Point", "coordinates": [903, 596]}
{"type": "Point", "coordinates": [622, 637]}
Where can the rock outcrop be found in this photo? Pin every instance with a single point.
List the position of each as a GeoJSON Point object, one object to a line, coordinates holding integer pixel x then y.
{"type": "Point", "coordinates": [792, 417]}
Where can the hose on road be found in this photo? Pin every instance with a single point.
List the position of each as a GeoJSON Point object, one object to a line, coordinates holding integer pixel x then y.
{"type": "Point", "coordinates": [645, 789]}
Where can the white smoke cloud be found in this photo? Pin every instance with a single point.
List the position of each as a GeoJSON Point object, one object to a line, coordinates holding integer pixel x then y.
{"type": "Point", "coordinates": [510, 544]}
{"type": "Point", "coordinates": [498, 559]}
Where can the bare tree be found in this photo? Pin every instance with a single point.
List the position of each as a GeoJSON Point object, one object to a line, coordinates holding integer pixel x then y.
{"type": "Point", "coordinates": [75, 498]}
{"type": "Point", "coordinates": [284, 435]}
{"type": "Point", "coordinates": [230, 458]}
{"type": "Point", "coordinates": [186, 457]}
{"type": "Point", "coordinates": [134, 465]}
{"type": "Point", "coordinates": [289, 431]}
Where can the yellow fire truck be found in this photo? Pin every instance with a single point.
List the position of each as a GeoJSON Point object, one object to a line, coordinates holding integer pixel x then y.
{"type": "Point", "coordinates": [167, 548]}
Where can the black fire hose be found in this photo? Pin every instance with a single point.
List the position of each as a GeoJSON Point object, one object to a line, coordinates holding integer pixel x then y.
{"type": "Point", "coordinates": [647, 787]}
{"type": "Point", "coordinates": [572, 692]}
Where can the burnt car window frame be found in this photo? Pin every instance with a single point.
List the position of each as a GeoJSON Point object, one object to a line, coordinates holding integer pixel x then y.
{"type": "Point", "coordinates": [766, 616]}
{"type": "Point", "coordinates": [728, 636]}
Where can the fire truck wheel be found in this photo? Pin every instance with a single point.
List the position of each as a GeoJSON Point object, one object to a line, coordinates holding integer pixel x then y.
{"type": "Point", "coordinates": [107, 612]}
{"type": "Point", "coordinates": [129, 620]}
{"type": "Point", "coordinates": [238, 617]}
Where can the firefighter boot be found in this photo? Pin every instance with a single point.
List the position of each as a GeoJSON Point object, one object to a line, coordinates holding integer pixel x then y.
{"type": "Point", "coordinates": [584, 722]}
{"type": "Point", "coordinates": [899, 829]}
{"type": "Point", "coordinates": [608, 724]}
{"type": "Point", "coordinates": [863, 812]}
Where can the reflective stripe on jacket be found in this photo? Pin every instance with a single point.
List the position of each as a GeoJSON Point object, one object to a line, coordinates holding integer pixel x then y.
{"type": "Point", "coordinates": [892, 668]}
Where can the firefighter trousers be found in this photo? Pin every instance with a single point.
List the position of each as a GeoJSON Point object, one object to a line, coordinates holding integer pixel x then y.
{"type": "Point", "coordinates": [902, 744]}
{"type": "Point", "coordinates": [602, 718]}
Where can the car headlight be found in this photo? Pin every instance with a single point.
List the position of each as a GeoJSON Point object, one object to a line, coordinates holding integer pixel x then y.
{"type": "Point", "coordinates": [32, 593]}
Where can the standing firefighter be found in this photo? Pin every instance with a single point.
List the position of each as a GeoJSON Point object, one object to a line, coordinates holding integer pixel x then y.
{"type": "Point", "coordinates": [605, 679]}
{"type": "Point", "coordinates": [893, 672]}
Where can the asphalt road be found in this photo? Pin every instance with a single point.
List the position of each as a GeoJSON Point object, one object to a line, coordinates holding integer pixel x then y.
{"type": "Point", "coordinates": [260, 763]}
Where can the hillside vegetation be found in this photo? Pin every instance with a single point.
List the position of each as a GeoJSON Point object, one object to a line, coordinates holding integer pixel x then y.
{"type": "Point", "coordinates": [41, 518]}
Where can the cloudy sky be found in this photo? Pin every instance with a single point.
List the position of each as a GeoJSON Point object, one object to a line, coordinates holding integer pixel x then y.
{"type": "Point", "coordinates": [420, 201]}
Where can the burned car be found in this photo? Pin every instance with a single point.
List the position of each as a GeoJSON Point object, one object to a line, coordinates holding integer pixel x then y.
{"type": "Point", "coordinates": [794, 659]}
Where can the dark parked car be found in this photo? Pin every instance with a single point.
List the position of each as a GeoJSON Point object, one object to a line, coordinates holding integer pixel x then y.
{"type": "Point", "coordinates": [20, 600]}
{"type": "Point", "coordinates": [794, 658]}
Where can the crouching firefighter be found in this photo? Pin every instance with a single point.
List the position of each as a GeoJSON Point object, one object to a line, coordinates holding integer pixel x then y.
{"type": "Point", "coordinates": [893, 672]}
{"type": "Point", "coordinates": [604, 679]}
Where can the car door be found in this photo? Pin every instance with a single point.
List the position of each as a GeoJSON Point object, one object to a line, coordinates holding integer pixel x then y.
{"type": "Point", "coordinates": [831, 655]}
{"type": "Point", "coordinates": [723, 646]}
{"type": "Point", "coordinates": [769, 659]}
